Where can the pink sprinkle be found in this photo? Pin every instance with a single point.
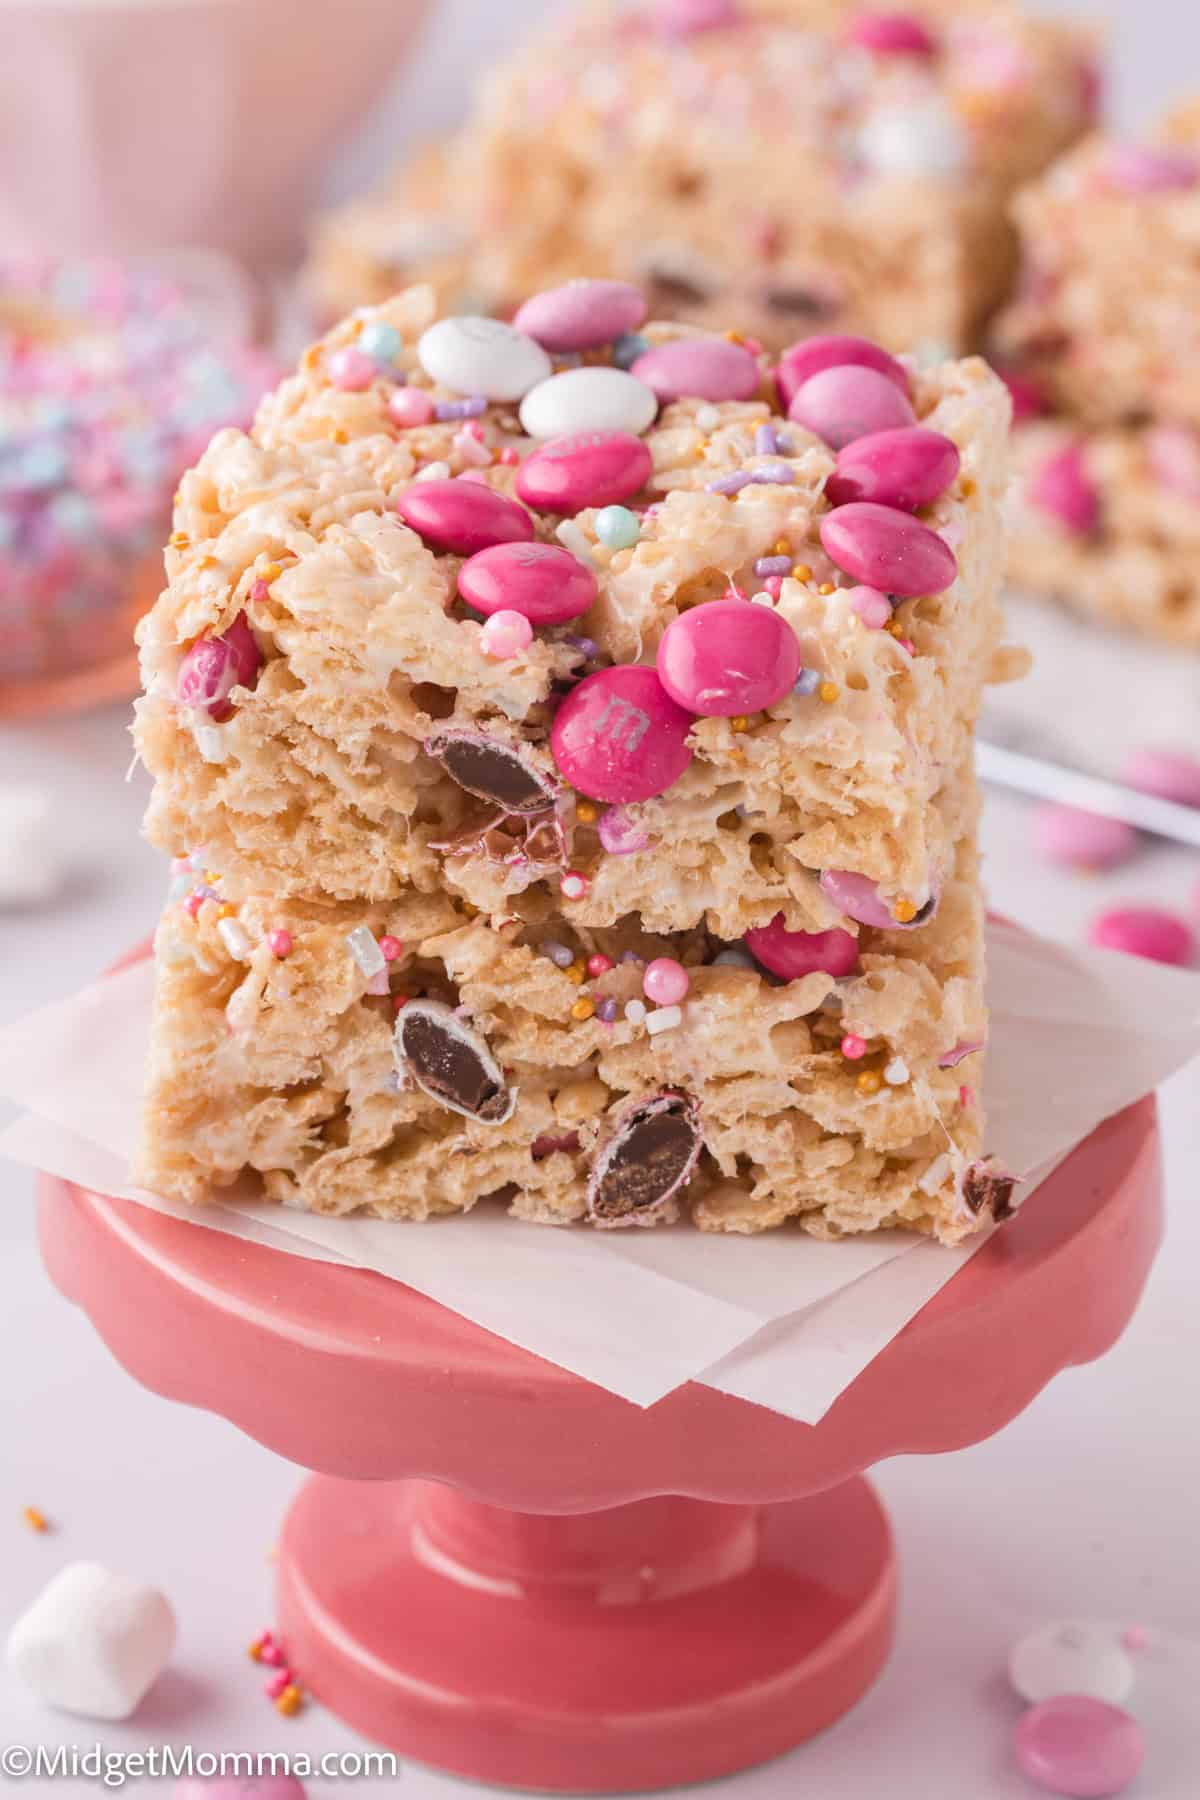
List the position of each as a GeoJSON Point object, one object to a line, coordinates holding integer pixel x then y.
{"type": "Point", "coordinates": [966, 1095]}
{"type": "Point", "coordinates": [408, 406]}
{"type": "Point", "coordinates": [505, 634]}
{"type": "Point", "coordinates": [890, 34]}
{"type": "Point", "coordinates": [734, 593]}
{"type": "Point", "coordinates": [390, 947]}
{"type": "Point", "coordinates": [773, 585]}
{"type": "Point", "coordinates": [1082, 840]}
{"type": "Point", "coordinates": [276, 1684]}
{"type": "Point", "coordinates": [853, 1047]}
{"type": "Point", "coordinates": [510, 457]}
{"type": "Point", "coordinates": [351, 370]}
{"type": "Point", "coordinates": [272, 1655]}
{"type": "Point", "coordinates": [193, 903]}
{"type": "Point", "coordinates": [401, 1000]}
{"type": "Point", "coordinates": [665, 981]}
{"type": "Point", "coordinates": [259, 591]}
{"type": "Point", "coordinates": [599, 964]}
{"type": "Point", "coordinates": [1135, 1637]}
{"type": "Point", "coordinates": [573, 885]}
{"type": "Point", "coordinates": [1143, 931]}
{"type": "Point", "coordinates": [907, 644]}
{"type": "Point", "coordinates": [872, 607]}
{"type": "Point", "coordinates": [280, 942]}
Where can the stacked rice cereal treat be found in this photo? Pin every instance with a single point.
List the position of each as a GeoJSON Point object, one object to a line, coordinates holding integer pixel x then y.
{"type": "Point", "coordinates": [570, 773]}
{"type": "Point", "coordinates": [785, 166]}
{"type": "Point", "coordinates": [1105, 342]}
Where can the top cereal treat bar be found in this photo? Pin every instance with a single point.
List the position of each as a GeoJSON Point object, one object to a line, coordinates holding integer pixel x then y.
{"type": "Point", "coordinates": [1107, 322]}
{"type": "Point", "coordinates": [782, 167]}
{"type": "Point", "coordinates": [407, 645]}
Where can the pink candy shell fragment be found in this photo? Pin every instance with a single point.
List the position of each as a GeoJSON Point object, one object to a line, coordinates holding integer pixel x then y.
{"type": "Point", "coordinates": [1143, 931]}
{"type": "Point", "coordinates": [793, 954]}
{"type": "Point", "coordinates": [1083, 840]}
{"type": "Point", "coordinates": [1170, 774]}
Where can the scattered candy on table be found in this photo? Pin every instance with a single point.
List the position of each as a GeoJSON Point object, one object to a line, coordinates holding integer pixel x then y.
{"type": "Point", "coordinates": [1080, 1747]}
{"type": "Point", "coordinates": [1143, 931]}
{"type": "Point", "coordinates": [1071, 1657]}
{"type": "Point", "coordinates": [93, 1642]}
{"type": "Point", "coordinates": [1083, 840]}
{"type": "Point", "coordinates": [1170, 774]}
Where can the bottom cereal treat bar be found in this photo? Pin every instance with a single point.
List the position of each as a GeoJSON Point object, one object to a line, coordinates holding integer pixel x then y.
{"type": "Point", "coordinates": [412, 1058]}
{"type": "Point", "coordinates": [1107, 521]}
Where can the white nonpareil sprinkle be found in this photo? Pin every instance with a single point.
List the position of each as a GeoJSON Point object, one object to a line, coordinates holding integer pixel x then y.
{"type": "Point", "coordinates": [935, 1174]}
{"type": "Point", "coordinates": [896, 1073]}
{"type": "Point", "coordinates": [366, 952]}
{"type": "Point", "coordinates": [235, 939]}
{"type": "Point", "coordinates": [762, 598]}
{"type": "Point", "coordinates": [434, 471]}
{"type": "Point", "coordinates": [635, 1011]}
{"type": "Point", "coordinates": [211, 743]}
{"type": "Point", "coordinates": [708, 418]}
{"type": "Point", "coordinates": [664, 1018]}
{"type": "Point", "coordinates": [572, 537]}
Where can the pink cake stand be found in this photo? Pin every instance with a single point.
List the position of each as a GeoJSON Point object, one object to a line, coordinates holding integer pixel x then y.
{"type": "Point", "coordinates": [506, 1572]}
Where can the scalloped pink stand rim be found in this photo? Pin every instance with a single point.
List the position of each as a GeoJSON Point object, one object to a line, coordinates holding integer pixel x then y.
{"type": "Point", "coordinates": [508, 1573]}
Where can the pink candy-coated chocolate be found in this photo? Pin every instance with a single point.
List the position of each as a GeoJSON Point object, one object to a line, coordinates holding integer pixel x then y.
{"type": "Point", "coordinates": [619, 835]}
{"type": "Point", "coordinates": [543, 581]}
{"type": "Point", "coordinates": [872, 607]}
{"type": "Point", "coordinates": [214, 666]}
{"type": "Point", "coordinates": [908, 468]}
{"type": "Point", "coordinates": [408, 406]}
{"type": "Point", "coordinates": [850, 402]}
{"type": "Point", "coordinates": [888, 550]}
{"type": "Point", "coordinates": [352, 369]}
{"type": "Point", "coordinates": [1142, 931]}
{"type": "Point", "coordinates": [858, 897]}
{"type": "Point", "coordinates": [890, 34]}
{"type": "Point", "coordinates": [590, 468]}
{"type": "Point", "coordinates": [1062, 487]}
{"type": "Point", "coordinates": [582, 315]}
{"type": "Point", "coordinates": [665, 981]}
{"type": "Point", "coordinates": [834, 351]}
{"type": "Point", "coordinates": [1081, 839]}
{"type": "Point", "coordinates": [1171, 774]}
{"type": "Point", "coordinates": [726, 657]}
{"type": "Point", "coordinates": [620, 736]}
{"type": "Point", "coordinates": [505, 634]}
{"type": "Point", "coordinates": [1080, 1747]}
{"type": "Point", "coordinates": [1173, 452]}
{"type": "Point", "coordinates": [1151, 169]}
{"type": "Point", "coordinates": [683, 18]}
{"type": "Point", "coordinates": [463, 516]}
{"type": "Point", "coordinates": [698, 368]}
{"type": "Point", "coordinates": [792, 954]}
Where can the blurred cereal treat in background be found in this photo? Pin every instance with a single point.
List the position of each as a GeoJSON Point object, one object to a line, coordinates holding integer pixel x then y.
{"type": "Point", "coordinates": [1103, 341]}
{"type": "Point", "coordinates": [782, 166]}
{"type": "Point", "coordinates": [113, 377]}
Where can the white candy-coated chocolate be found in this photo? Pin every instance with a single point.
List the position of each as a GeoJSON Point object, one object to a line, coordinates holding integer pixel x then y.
{"type": "Point", "coordinates": [1071, 1657]}
{"type": "Point", "coordinates": [93, 1643]}
{"type": "Point", "coordinates": [476, 355]}
{"type": "Point", "coordinates": [588, 399]}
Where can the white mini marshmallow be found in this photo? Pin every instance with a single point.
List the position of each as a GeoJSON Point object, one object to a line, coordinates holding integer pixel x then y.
{"type": "Point", "coordinates": [93, 1643]}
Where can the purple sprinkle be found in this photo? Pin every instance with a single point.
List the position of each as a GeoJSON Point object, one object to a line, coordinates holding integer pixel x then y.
{"type": "Point", "coordinates": [630, 956]}
{"type": "Point", "coordinates": [730, 484]}
{"type": "Point", "coordinates": [585, 646]}
{"type": "Point", "coordinates": [766, 440]}
{"type": "Point", "coordinates": [469, 408]}
{"type": "Point", "coordinates": [807, 682]}
{"type": "Point", "coordinates": [606, 1011]}
{"type": "Point", "coordinates": [559, 955]}
{"type": "Point", "coordinates": [773, 565]}
{"type": "Point", "coordinates": [777, 475]}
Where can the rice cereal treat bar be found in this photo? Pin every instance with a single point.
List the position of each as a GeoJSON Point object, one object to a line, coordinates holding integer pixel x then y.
{"type": "Point", "coordinates": [782, 167]}
{"type": "Point", "coordinates": [1107, 319]}
{"type": "Point", "coordinates": [569, 768]}
{"type": "Point", "coordinates": [1107, 520]}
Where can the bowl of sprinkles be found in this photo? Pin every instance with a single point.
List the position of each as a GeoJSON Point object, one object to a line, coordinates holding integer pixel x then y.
{"type": "Point", "coordinates": [112, 381]}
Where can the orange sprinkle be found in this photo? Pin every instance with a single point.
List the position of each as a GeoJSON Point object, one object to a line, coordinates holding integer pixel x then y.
{"type": "Point", "coordinates": [827, 587]}
{"type": "Point", "coordinates": [269, 572]}
{"type": "Point", "coordinates": [575, 974]}
{"type": "Point", "coordinates": [289, 1702]}
{"type": "Point", "coordinates": [800, 571]}
{"type": "Point", "coordinates": [36, 1521]}
{"type": "Point", "coordinates": [736, 337]}
{"type": "Point", "coordinates": [179, 540]}
{"type": "Point", "coordinates": [904, 912]}
{"type": "Point", "coordinates": [968, 486]}
{"type": "Point", "coordinates": [586, 813]}
{"type": "Point", "coordinates": [739, 723]}
{"type": "Point", "coordinates": [782, 547]}
{"type": "Point", "coordinates": [255, 1650]}
{"type": "Point", "coordinates": [869, 1082]}
{"type": "Point", "coordinates": [225, 911]}
{"type": "Point", "coordinates": [583, 1008]}
{"type": "Point", "coordinates": [829, 691]}
{"type": "Point", "coordinates": [339, 436]}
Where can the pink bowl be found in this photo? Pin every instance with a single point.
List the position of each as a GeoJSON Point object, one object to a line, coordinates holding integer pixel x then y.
{"type": "Point", "coordinates": [128, 127]}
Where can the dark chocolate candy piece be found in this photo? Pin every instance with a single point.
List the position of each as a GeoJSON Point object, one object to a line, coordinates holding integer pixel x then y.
{"type": "Point", "coordinates": [649, 1152]}
{"type": "Point", "coordinates": [451, 1062]}
{"type": "Point", "coordinates": [492, 770]}
{"type": "Point", "coordinates": [987, 1188]}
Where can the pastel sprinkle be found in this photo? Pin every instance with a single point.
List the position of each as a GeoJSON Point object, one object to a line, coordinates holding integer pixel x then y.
{"type": "Point", "coordinates": [380, 341]}
{"type": "Point", "coordinates": [350, 370]}
{"type": "Point", "coordinates": [617, 527]}
{"type": "Point", "coordinates": [665, 1018]}
{"type": "Point", "coordinates": [573, 885]}
{"type": "Point", "coordinates": [806, 683]}
{"type": "Point", "coordinates": [470, 408]}
{"type": "Point", "coordinates": [606, 1011]}
{"type": "Point", "coordinates": [665, 981]}
{"type": "Point", "coordinates": [853, 1046]}
{"type": "Point", "coordinates": [635, 1011]}
{"type": "Point", "coordinates": [505, 634]}
{"type": "Point", "coordinates": [363, 947]}
{"type": "Point", "coordinates": [280, 942]}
